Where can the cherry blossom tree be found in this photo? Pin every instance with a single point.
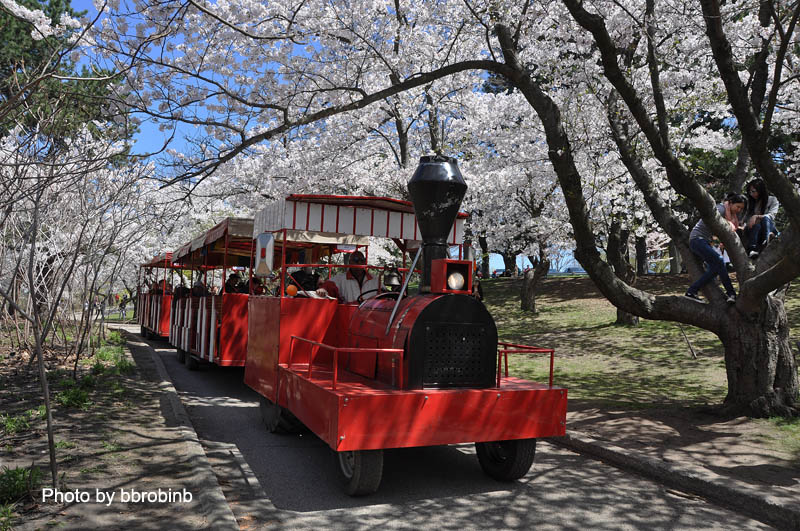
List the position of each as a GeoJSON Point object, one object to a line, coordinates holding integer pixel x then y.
{"type": "Point", "coordinates": [69, 205]}
{"type": "Point", "coordinates": [610, 95]}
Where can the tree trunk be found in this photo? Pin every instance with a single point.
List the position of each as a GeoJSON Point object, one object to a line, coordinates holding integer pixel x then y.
{"type": "Point", "coordinates": [641, 256]}
{"type": "Point", "coordinates": [617, 253]}
{"type": "Point", "coordinates": [674, 259]}
{"type": "Point", "coordinates": [484, 256]}
{"type": "Point", "coordinates": [625, 318]}
{"type": "Point", "coordinates": [529, 284]}
{"type": "Point", "coordinates": [14, 294]}
{"type": "Point", "coordinates": [135, 301]}
{"type": "Point", "coordinates": [760, 365]}
{"type": "Point", "coordinates": [51, 441]}
{"type": "Point", "coordinates": [510, 261]}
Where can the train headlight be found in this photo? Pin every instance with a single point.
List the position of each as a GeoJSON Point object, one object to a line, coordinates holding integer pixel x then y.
{"type": "Point", "coordinates": [455, 281]}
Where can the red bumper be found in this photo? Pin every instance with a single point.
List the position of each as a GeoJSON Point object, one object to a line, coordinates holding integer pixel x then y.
{"type": "Point", "coordinates": [360, 416]}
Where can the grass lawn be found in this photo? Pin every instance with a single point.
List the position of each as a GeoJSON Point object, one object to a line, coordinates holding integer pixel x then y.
{"type": "Point", "coordinates": [633, 367]}
{"type": "Point", "coordinates": [114, 315]}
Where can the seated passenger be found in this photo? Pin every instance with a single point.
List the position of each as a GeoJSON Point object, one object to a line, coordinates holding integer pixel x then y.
{"type": "Point", "coordinates": [305, 279]}
{"type": "Point", "coordinates": [181, 290]}
{"type": "Point", "coordinates": [256, 287]}
{"type": "Point", "coordinates": [232, 284]}
{"type": "Point", "coordinates": [349, 285]}
{"type": "Point", "coordinates": [199, 289]}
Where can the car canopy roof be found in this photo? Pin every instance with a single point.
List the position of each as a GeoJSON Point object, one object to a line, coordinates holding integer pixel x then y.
{"type": "Point", "coordinates": [232, 237]}
{"type": "Point", "coordinates": [338, 219]}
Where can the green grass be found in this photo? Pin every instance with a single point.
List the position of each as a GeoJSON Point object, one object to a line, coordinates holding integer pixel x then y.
{"type": "Point", "coordinates": [6, 516]}
{"type": "Point", "coordinates": [74, 397]}
{"type": "Point", "coordinates": [650, 365]}
{"type": "Point", "coordinates": [115, 338]}
{"type": "Point", "coordinates": [108, 353]}
{"type": "Point", "coordinates": [112, 353]}
{"type": "Point", "coordinates": [94, 469]}
{"type": "Point", "coordinates": [125, 366]}
{"type": "Point", "coordinates": [98, 367]}
{"type": "Point", "coordinates": [114, 316]}
{"type": "Point", "coordinates": [788, 434]}
{"type": "Point", "coordinates": [64, 445]}
{"type": "Point", "coordinates": [108, 362]}
{"type": "Point", "coordinates": [86, 383]}
{"type": "Point", "coordinates": [14, 424]}
{"type": "Point", "coordinates": [111, 446]}
{"type": "Point", "coordinates": [16, 483]}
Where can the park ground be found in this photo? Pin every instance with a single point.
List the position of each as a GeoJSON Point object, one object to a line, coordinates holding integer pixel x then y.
{"type": "Point", "coordinates": [653, 389]}
{"type": "Point", "coordinates": [640, 388]}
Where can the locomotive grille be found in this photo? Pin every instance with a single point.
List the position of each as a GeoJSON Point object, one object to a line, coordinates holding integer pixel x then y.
{"type": "Point", "coordinates": [457, 354]}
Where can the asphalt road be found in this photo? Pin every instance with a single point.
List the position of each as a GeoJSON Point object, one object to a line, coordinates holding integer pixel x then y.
{"type": "Point", "coordinates": [294, 481]}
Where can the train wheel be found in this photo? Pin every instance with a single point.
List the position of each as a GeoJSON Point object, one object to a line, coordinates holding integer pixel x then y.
{"type": "Point", "coordinates": [506, 460]}
{"type": "Point", "coordinates": [181, 356]}
{"type": "Point", "coordinates": [191, 362]}
{"type": "Point", "coordinates": [361, 471]}
{"type": "Point", "coordinates": [278, 419]}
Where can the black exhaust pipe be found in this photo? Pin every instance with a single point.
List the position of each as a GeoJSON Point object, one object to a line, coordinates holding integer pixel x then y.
{"type": "Point", "coordinates": [436, 189]}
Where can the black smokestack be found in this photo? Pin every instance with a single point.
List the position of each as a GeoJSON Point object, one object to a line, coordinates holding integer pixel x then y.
{"type": "Point", "coordinates": [436, 189]}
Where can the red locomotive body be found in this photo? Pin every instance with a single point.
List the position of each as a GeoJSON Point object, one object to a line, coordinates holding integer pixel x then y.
{"type": "Point", "coordinates": [394, 371]}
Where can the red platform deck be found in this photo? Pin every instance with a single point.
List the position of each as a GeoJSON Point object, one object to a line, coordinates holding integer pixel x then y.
{"type": "Point", "coordinates": [361, 414]}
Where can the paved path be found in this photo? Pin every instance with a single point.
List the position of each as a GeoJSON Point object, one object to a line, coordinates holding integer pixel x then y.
{"type": "Point", "coordinates": [290, 481]}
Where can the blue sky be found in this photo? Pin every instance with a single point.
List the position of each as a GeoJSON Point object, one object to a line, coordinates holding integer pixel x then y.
{"type": "Point", "coordinates": [149, 138]}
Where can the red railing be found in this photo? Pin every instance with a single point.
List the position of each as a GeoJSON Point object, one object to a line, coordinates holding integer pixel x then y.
{"type": "Point", "coordinates": [504, 349]}
{"type": "Point", "coordinates": [398, 355]}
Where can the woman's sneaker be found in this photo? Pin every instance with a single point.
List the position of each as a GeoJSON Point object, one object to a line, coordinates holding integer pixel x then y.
{"type": "Point", "coordinates": [731, 299]}
{"type": "Point", "coordinates": [693, 296]}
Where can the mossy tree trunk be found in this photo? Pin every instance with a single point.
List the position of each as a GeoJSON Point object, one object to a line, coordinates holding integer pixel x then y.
{"type": "Point", "coordinates": [674, 259]}
{"type": "Point", "coordinates": [484, 245]}
{"type": "Point", "coordinates": [641, 256]}
{"type": "Point", "coordinates": [760, 365]}
{"type": "Point", "coordinates": [510, 262]}
{"type": "Point", "coordinates": [531, 281]}
{"type": "Point", "coordinates": [617, 252]}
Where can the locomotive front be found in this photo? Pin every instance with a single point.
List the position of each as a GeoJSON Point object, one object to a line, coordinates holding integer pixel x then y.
{"type": "Point", "coordinates": [448, 337]}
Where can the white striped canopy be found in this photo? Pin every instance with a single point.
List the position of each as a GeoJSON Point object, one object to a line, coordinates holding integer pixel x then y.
{"type": "Point", "coordinates": [344, 219]}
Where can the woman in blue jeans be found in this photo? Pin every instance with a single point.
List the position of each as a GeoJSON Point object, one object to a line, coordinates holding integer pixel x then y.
{"type": "Point", "coordinates": [700, 244]}
{"type": "Point", "coordinates": [760, 217]}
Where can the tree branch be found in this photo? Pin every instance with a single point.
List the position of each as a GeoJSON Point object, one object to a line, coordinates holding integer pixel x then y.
{"type": "Point", "coordinates": [752, 132]}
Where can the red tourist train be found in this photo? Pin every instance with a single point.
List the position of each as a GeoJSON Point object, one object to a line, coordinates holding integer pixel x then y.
{"type": "Point", "coordinates": [155, 301]}
{"type": "Point", "coordinates": [388, 370]}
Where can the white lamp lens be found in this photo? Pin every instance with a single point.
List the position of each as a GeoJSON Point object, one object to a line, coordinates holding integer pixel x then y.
{"type": "Point", "coordinates": [455, 280]}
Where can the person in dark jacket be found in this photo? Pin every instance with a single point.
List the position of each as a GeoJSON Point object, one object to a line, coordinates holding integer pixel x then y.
{"type": "Point", "coordinates": [759, 221]}
{"type": "Point", "coordinates": [700, 243]}
{"type": "Point", "coordinates": [232, 285]}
